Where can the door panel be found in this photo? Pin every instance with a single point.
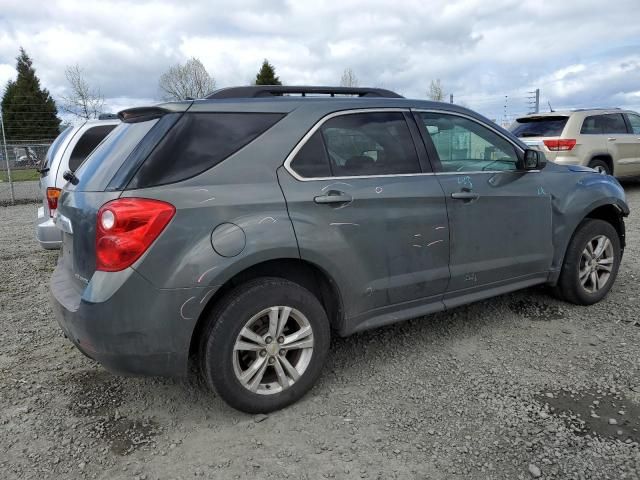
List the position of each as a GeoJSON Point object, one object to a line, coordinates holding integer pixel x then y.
{"type": "Point", "coordinates": [388, 244]}
{"type": "Point", "coordinates": [363, 209]}
{"type": "Point", "coordinates": [499, 217]}
{"type": "Point", "coordinates": [504, 233]}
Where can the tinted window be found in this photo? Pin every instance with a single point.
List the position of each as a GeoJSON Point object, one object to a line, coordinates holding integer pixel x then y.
{"type": "Point", "coordinates": [464, 145]}
{"type": "Point", "coordinates": [634, 121]}
{"type": "Point", "coordinates": [90, 140]}
{"type": "Point", "coordinates": [369, 144]}
{"type": "Point", "coordinates": [96, 172]}
{"type": "Point", "coordinates": [539, 126]}
{"type": "Point", "coordinates": [600, 124]}
{"type": "Point", "coordinates": [55, 146]}
{"type": "Point", "coordinates": [311, 161]}
{"type": "Point", "coordinates": [199, 141]}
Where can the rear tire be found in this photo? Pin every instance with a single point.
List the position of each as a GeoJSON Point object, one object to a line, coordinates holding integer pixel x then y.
{"type": "Point", "coordinates": [265, 345]}
{"type": "Point", "coordinates": [600, 166]}
{"type": "Point", "coordinates": [590, 264]}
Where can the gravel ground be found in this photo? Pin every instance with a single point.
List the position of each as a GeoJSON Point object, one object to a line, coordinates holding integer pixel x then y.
{"type": "Point", "coordinates": [27, 191]}
{"type": "Point", "coordinates": [521, 386]}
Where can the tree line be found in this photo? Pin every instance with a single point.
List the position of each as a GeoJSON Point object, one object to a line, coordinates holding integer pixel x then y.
{"type": "Point", "coordinates": [30, 112]}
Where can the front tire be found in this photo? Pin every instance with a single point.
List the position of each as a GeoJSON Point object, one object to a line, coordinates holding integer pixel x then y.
{"type": "Point", "coordinates": [591, 263]}
{"type": "Point", "coordinates": [266, 344]}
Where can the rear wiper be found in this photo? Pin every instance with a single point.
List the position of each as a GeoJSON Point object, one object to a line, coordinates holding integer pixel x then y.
{"type": "Point", "coordinates": [530, 135]}
{"type": "Point", "coordinates": [69, 176]}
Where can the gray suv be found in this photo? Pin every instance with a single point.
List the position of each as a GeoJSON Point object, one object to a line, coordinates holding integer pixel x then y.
{"type": "Point", "coordinates": [235, 233]}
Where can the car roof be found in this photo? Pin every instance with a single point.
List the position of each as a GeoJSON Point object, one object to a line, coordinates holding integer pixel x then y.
{"type": "Point", "coordinates": [578, 111]}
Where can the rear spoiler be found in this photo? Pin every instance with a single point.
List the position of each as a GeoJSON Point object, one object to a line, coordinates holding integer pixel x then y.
{"type": "Point", "coordinates": [141, 114]}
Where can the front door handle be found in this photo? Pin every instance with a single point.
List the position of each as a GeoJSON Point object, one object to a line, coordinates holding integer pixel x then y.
{"type": "Point", "coordinates": [612, 139]}
{"type": "Point", "coordinates": [466, 196]}
{"type": "Point", "coordinates": [333, 196]}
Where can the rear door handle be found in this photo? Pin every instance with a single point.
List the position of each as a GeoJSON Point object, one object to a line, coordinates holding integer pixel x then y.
{"type": "Point", "coordinates": [333, 197]}
{"type": "Point", "coordinates": [612, 139]}
{"type": "Point", "coordinates": [467, 196]}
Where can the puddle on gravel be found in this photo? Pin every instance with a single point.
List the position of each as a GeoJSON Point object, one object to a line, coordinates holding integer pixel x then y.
{"type": "Point", "coordinates": [94, 393]}
{"type": "Point", "coordinates": [596, 411]}
{"type": "Point", "coordinates": [536, 310]}
{"type": "Point", "coordinates": [125, 435]}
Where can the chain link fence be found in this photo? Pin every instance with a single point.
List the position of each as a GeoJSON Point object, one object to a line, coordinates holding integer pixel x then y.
{"type": "Point", "coordinates": [19, 175]}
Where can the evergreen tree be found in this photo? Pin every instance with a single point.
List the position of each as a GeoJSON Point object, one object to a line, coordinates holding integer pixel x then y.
{"type": "Point", "coordinates": [28, 111]}
{"type": "Point", "coordinates": [267, 75]}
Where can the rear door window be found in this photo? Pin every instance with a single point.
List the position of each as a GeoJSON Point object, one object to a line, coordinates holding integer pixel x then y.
{"type": "Point", "coordinates": [604, 124]}
{"type": "Point", "coordinates": [547, 126]}
{"type": "Point", "coordinates": [360, 144]}
{"type": "Point", "coordinates": [634, 122]}
{"type": "Point", "coordinates": [89, 140]}
{"type": "Point", "coordinates": [312, 161]}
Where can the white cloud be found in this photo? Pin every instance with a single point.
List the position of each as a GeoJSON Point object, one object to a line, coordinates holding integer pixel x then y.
{"type": "Point", "coordinates": [578, 52]}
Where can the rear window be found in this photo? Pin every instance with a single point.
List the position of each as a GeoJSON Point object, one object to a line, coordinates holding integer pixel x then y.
{"type": "Point", "coordinates": [198, 142]}
{"type": "Point", "coordinates": [539, 126]}
{"type": "Point", "coordinates": [602, 124]}
{"type": "Point", "coordinates": [89, 140]}
{"type": "Point", "coordinates": [55, 146]}
{"type": "Point", "coordinates": [95, 173]}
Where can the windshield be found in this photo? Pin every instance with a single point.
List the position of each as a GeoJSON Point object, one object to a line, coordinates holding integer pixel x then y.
{"type": "Point", "coordinates": [53, 149]}
{"type": "Point", "coordinates": [539, 126]}
{"type": "Point", "coordinates": [102, 164]}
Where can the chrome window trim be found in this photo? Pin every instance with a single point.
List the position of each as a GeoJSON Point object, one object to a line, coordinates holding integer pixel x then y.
{"type": "Point", "coordinates": [309, 134]}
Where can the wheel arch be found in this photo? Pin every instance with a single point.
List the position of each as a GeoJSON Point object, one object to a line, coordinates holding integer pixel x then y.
{"type": "Point", "coordinates": [611, 211]}
{"type": "Point", "coordinates": [605, 157]}
{"type": "Point", "coordinates": [302, 272]}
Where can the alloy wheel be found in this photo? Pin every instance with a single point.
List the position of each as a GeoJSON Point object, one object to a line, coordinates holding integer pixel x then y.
{"type": "Point", "coordinates": [273, 350]}
{"type": "Point", "coordinates": [596, 263]}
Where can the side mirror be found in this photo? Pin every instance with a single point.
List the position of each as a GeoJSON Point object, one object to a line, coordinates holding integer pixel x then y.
{"type": "Point", "coordinates": [532, 160]}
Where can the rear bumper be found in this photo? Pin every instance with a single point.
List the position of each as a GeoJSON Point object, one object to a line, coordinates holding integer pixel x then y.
{"type": "Point", "coordinates": [138, 330]}
{"type": "Point", "coordinates": [48, 236]}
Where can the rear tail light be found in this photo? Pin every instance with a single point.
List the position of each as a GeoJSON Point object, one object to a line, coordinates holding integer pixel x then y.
{"type": "Point", "coordinates": [560, 144]}
{"type": "Point", "coordinates": [53, 194]}
{"type": "Point", "coordinates": [126, 228]}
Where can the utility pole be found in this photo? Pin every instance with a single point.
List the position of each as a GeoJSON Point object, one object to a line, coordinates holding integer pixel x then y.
{"type": "Point", "coordinates": [504, 117]}
{"type": "Point", "coordinates": [534, 101]}
{"type": "Point", "coordinates": [451, 98]}
{"type": "Point", "coordinates": [6, 159]}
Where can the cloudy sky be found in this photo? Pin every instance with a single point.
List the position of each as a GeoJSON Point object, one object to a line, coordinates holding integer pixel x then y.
{"type": "Point", "coordinates": [580, 53]}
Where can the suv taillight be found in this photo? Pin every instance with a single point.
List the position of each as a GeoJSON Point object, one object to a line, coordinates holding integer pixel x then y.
{"type": "Point", "coordinates": [126, 228]}
{"type": "Point", "coordinates": [53, 194]}
{"type": "Point", "coordinates": [560, 144]}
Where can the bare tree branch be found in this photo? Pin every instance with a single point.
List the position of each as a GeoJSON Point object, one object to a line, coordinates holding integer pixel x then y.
{"type": "Point", "coordinates": [190, 80]}
{"type": "Point", "coordinates": [349, 78]}
{"type": "Point", "coordinates": [84, 101]}
{"type": "Point", "coordinates": [436, 93]}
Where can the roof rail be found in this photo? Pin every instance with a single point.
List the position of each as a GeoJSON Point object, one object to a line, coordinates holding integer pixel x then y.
{"type": "Point", "coordinates": [595, 108]}
{"type": "Point", "coordinates": [256, 91]}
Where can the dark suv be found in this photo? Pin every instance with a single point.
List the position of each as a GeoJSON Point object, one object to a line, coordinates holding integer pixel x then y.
{"type": "Point", "coordinates": [234, 233]}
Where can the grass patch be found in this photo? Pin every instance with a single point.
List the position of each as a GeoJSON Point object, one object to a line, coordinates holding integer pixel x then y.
{"type": "Point", "coordinates": [22, 175]}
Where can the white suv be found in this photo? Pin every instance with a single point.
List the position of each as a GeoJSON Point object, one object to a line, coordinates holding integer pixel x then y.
{"type": "Point", "coordinates": [67, 152]}
{"type": "Point", "coordinates": [607, 140]}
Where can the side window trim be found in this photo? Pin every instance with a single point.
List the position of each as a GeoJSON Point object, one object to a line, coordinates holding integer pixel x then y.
{"type": "Point", "coordinates": [433, 153]}
{"type": "Point", "coordinates": [318, 125]}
